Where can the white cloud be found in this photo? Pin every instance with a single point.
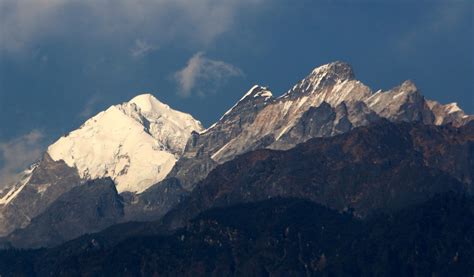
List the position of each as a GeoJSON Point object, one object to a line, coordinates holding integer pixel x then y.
{"type": "Point", "coordinates": [201, 69]}
{"type": "Point", "coordinates": [17, 154]}
{"type": "Point", "coordinates": [25, 22]}
{"type": "Point", "coordinates": [21, 20]}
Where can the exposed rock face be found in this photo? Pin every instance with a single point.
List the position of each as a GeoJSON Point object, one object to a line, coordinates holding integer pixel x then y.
{"type": "Point", "coordinates": [401, 104]}
{"type": "Point", "coordinates": [325, 121]}
{"type": "Point", "coordinates": [91, 207]}
{"type": "Point", "coordinates": [86, 208]}
{"type": "Point", "coordinates": [329, 101]}
{"type": "Point", "coordinates": [202, 149]}
{"type": "Point", "coordinates": [449, 114]}
{"type": "Point", "coordinates": [368, 170]}
{"type": "Point", "coordinates": [154, 202]}
{"type": "Point", "coordinates": [44, 183]}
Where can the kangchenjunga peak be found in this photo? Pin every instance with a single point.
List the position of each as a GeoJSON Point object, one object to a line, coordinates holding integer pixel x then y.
{"type": "Point", "coordinates": [135, 143]}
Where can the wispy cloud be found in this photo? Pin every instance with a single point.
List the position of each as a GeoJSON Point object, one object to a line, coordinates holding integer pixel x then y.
{"type": "Point", "coordinates": [18, 153]}
{"type": "Point", "coordinates": [142, 48]}
{"type": "Point", "coordinates": [201, 69]}
{"type": "Point", "coordinates": [90, 106]}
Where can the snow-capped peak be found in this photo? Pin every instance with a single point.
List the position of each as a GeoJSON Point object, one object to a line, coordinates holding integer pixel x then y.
{"type": "Point", "coordinates": [148, 103]}
{"type": "Point", "coordinates": [257, 91]}
{"type": "Point", "coordinates": [135, 143]}
{"type": "Point", "coordinates": [166, 125]}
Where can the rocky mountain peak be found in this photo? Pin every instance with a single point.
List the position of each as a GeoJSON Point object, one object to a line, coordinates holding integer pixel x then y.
{"type": "Point", "coordinates": [335, 71]}
{"type": "Point", "coordinates": [326, 79]}
{"type": "Point", "coordinates": [252, 101]}
{"type": "Point", "coordinates": [408, 86]}
{"type": "Point", "coordinates": [453, 108]}
{"type": "Point", "coordinates": [448, 114]}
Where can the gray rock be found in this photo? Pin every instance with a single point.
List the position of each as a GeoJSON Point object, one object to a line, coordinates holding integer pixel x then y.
{"type": "Point", "coordinates": [87, 208]}
{"type": "Point", "coordinates": [49, 179]}
{"type": "Point", "coordinates": [328, 102]}
{"type": "Point", "coordinates": [154, 202]}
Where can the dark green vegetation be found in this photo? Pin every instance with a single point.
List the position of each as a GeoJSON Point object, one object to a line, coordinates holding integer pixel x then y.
{"type": "Point", "coordinates": [281, 237]}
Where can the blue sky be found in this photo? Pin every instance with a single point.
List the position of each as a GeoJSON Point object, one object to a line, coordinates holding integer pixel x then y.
{"type": "Point", "coordinates": [63, 61]}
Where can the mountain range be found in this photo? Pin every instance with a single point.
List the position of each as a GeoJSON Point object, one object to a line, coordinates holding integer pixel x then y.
{"type": "Point", "coordinates": [148, 170]}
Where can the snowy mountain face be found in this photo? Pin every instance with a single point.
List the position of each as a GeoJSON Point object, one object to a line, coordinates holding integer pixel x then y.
{"type": "Point", "coordinates": [136, 143]}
